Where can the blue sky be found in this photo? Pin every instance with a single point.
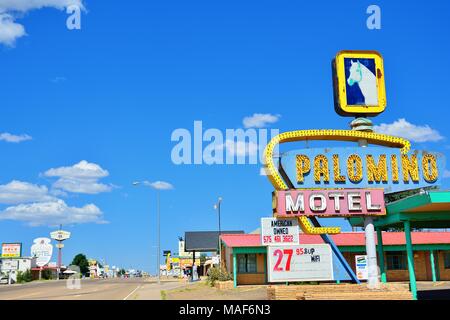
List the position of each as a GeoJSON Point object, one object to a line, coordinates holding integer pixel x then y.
{"type": "Point", "coordinates": [113, 92]}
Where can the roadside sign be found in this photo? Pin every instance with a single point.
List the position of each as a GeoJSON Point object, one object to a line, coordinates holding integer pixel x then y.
{"type": "Point", "coordinates": [10, 265]}
{"type": "Point", "coordinates": [278, 231]}
{"type": "Point", "coordinates": [60, 235]}
{"type": "Point", "coordinates": [42, 250]}
{"type": "Point", "coordinates": [311, 262]}
{"type": "Point", "coordinates": [362, 270]}
{"type": "Point", "coordinates": [359, 86]}
{"type": "Point", "coordinates": [329, 203]}
{"type": "Point", "coordinates": [369, 167]}
{"type": "Point", "coordinates": [11, 250]}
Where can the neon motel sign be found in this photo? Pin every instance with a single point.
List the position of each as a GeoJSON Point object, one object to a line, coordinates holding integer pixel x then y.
{"type": "Point", "coordinates": [369, 167]}
{"type": "Point", "coordinates": [329, 202]}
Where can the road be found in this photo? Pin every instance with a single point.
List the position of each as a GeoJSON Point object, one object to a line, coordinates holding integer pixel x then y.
{"type": "Point", "coordinates": [91, 289]}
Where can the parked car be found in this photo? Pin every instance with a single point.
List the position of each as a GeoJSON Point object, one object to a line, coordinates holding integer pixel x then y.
{"type": "Point", "coordinates": [4, 280]}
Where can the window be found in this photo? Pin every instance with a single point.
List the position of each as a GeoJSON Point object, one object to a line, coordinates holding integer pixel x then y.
{"type": "Point", "coordinates": [447, 259]}
{"type": "Point", "coordinates": [246, 263]}
{"type": "Point", "coordinates": [396, 260]}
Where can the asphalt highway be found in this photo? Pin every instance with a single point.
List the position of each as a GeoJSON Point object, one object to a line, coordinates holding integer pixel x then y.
{"type": "Point", "coordinates": [90, 289]}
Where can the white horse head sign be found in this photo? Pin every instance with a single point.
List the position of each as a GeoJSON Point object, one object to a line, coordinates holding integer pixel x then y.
{"type": "Point", "coordinates": [359, 83]}
{"type": "Point", "coordinates": [366, 81]}
{"type": "Point", "coordinates": [42, 249]}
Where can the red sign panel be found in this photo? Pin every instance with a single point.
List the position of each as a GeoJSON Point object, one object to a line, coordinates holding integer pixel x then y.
{"type": "Point", "coordinates": [329, 202]}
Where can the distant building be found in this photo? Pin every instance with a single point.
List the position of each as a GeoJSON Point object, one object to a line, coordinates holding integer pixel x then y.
{"type": "Point", "coordinates": [14, 265]}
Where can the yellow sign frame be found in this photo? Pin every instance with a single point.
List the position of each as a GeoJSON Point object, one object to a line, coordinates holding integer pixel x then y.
{"type": "Point", "coordinates": [325, 134]}
{"type": "Point", "coordinates": [340, 87]}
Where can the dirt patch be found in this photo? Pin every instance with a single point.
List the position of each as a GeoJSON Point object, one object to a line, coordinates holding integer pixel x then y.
{"type": "Point", "coordinates": [202, 291]}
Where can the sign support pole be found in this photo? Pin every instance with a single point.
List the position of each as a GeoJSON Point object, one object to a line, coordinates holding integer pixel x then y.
{"type": "Point", "coordinates": [372, 265]}
{"type": "Point", "coordinates": [363, 124]}
{"type": "Point", "coordinates": [327, 239]}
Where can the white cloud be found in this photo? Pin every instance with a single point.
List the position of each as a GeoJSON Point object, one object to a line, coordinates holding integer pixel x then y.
{"type": "Point", "coordinates": [81, 170]}
{"type": "Point", "coordinates": [52, 213]}
{"type": "Point", "coordinates": [10, 31]}
{"type": "Point", "coordinates": [404, 129]}
{"type": "Point", "coordinates": [260, 120]}
{"type": "Point", "coordinates": [58, 79]}
{"type": "Point", "coordinates": [23, 192]}
{"type": "Point", "coordinates": [80, 178]}
{"type": "Point", "coordinates": [89, 186]}
{"type": "Point", "coordinates": [27, 5]}
{"type": "Point", "coordinates": [159, 185]}
{"type": "Point", "coordinates": [8, 137]}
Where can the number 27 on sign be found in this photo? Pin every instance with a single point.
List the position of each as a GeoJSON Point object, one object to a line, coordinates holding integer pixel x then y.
{"type": "Point", "coordinates": [279, 253]}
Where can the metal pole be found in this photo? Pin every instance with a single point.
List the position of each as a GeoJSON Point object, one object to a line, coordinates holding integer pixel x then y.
{"type": "Point", "coordinates": [433, 266]}
{"type": "Point", "coordinates": [220, 244]}
{"type": "Point", "coordinates": [381, 255]}
{"type": "Point", "coordinates": [410, 254]}
{"type": "Point", "coordinates": [369, 230]}
{"type": "Point", "coordinates": [159, 237]}
{"type": "Point", "coordinates": [58, 269]}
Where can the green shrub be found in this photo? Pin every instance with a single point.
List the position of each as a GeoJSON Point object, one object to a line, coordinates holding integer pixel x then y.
{"type": "Point", "coordinates": [47, 274]}
{"type": "Point", "coordinates": [218, 274]}
{"type": "Point", "coordinates": [24, 276]}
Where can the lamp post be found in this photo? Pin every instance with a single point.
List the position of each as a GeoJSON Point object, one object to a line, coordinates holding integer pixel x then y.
{"type": "Point", "coordinates": [217, 207]}
{"type": "Point", "coordinates": [158, 223]}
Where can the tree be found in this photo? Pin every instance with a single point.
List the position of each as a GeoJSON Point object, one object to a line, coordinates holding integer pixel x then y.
{"type": "Point", "coordinates": [81, 261]}
{"type": "Point", "coordinates": [122, 272]}
{"type": "Point", "coordinates": [47, 274]}
{"type": "Point", "coordinates": [24, 276]}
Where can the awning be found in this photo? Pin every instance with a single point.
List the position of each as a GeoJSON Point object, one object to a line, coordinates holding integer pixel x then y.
{"type": "Point", "coordinates": [427, 210]}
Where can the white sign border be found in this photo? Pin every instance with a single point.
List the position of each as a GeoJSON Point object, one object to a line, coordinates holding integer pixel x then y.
{"type": "Point", "coordinates": [269, 265]}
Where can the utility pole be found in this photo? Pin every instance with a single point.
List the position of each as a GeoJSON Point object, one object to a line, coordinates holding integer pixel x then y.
{"type": "Point", "coordinates": [217, 207]}
{"type": "Point", "coordinates": [167, 186]}
{"type": "Point", "coordinates": [159, 235]}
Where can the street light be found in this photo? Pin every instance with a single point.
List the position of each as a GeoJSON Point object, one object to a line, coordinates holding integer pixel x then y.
{"type": "Point", "coordinates": [217, 207]}
{"type": "Point", "coordinates": [137, 183]}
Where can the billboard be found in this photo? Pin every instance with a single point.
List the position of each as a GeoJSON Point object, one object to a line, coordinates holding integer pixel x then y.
{"type": "Point", "coordinates": [329, 203]}
{"type": "Point", "coordinates": [309, 262]}
{"type": "Point", "coordinates": [42, 250]}
{"type": "Point", "coordinates": [369, 167]}
{"type": "Point", "coordinates": [276, 231]}
{"type": "Point", "coordinates": [11, 250]}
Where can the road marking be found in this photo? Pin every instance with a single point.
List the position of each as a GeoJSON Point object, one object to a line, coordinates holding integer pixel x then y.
{"type": "Point", "coordinates": [131, 292]}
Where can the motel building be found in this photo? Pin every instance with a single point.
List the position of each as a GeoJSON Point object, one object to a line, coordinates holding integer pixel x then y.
{"type": "Point", "coordinates": [244, 255]}
{"type": "Point", "coordinates": [246, 258]}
